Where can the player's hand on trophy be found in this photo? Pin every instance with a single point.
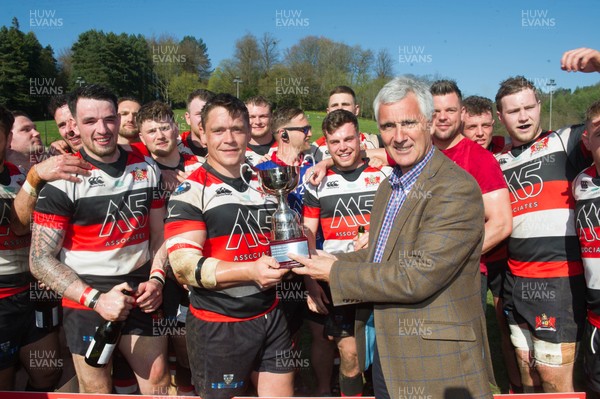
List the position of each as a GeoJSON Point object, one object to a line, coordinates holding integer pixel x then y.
{"type": "Point", "coordinates": [265, 272]}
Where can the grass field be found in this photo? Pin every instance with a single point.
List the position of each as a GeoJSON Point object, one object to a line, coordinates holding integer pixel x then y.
{"type": "Point", "coordinates": [49, 131]}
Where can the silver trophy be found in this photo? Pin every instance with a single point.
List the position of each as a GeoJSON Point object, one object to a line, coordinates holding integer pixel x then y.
{"type": "Point", "coordinates": [287, 235]}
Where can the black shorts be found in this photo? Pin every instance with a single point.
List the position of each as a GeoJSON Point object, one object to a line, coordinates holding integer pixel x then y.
{"type": "Point", "coordinates": [554, 309]}
{"type": "Point", "coordinates": [17, 327]}
{"type": "Point", "coordinates": [292, 296]}
{"type": "Point", "coordinates": [340, 321]}
{"type": "Point", "coordinates": [319, 318]}
{"type": "Point", "coordinates": [223, 355]}
{"type": "Point", "coordinates": [591, 356]}
{"type": "Point", "coordinates": [315, 317]}
{"type": "Point", "coordinates": [496, 274]}
{"type": "Point", "coordinates": [175, 299]}
{"type": "Point", "coordinates": [80, 325]}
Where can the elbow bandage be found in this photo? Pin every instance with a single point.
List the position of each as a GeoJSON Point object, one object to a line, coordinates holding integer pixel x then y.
{"type": "Point", "coordinates": [206, 272]}
{"type": "Point", "coordinates": [183, 253]}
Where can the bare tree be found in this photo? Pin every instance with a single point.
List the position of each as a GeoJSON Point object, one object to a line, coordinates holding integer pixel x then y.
{"type": "Point", "coordinates": [384, 65]}
{"type": "Point", "coordinates": [269, 52]}
{"type": "Point", "coordinates": [248, 59]}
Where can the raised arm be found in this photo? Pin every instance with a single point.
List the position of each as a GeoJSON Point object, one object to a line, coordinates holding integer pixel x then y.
{"type": "Point", "coordinates": [581, 60]}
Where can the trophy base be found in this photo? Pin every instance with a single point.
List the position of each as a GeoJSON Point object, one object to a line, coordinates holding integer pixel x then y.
{"type": "Point", "coordinates": [280, 249]}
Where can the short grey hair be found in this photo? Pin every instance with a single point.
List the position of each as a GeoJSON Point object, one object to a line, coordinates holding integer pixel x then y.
{"type": "Point", "coordinates": [398, 88]}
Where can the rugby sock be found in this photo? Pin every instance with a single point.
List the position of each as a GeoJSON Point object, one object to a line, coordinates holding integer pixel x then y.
{"type": "Point", "coordinates": [31, 388]}
{"type": "Point", "coordinates": [186, 390]}
{"type": "Point", "coordinates": [351, 386]}
{"type": "Point", "coordinates": [538, 389]}
{"type": "Point", "coordinates": [533, 389]}
{"type": "Point", "coordinates": [512, 389]}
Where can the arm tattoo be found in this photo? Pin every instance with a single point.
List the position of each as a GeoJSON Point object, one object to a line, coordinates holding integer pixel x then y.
{"type": "Point", "coordinates": [45, 245]}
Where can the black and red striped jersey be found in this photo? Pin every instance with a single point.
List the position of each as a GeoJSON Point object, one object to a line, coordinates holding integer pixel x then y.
{"type": "Point", "coordinates": [342, 202]}
{"type": "Point", "coordinates": [186, 145]}
{"type": "Point", "coordinates": [319, 150]}
{"type": "Point", "coordinates": [237, 221]}
{"type": "Point", "coordinates": [106, 216]}
{"type": "Point", "coordinates": [187, 163]}
{"type": "Point", "coordinates": [544, 242]}
{"type": "Point", "coordinates": [14, 249]}
{"type": "Point", "coordinates": [256, 153]}
{"type": "Point", "coordinates": [586, 190]}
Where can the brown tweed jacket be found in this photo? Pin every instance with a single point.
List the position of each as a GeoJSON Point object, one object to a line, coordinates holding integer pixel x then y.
{"type": "Point", "coordinates": [425, 293]}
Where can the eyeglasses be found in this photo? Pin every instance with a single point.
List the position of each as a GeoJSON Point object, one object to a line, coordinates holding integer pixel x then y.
{"type": "Point", "coordinates": [304, 129]}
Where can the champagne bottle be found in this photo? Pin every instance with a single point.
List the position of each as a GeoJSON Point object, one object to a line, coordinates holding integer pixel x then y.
{"type": "Point", "coordinates": [103, 344]}
{"type": "Point", "coordinates": [47, 310]}
{"type": "Point", "coordinates": [361, 231]}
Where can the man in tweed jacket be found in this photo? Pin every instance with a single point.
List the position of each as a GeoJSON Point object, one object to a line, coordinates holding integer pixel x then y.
{"type": "Point", "coordinates": [419, 319]}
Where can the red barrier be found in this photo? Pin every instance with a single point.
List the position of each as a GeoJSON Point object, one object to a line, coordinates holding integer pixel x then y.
{"type": "Point", "coordinates": [63, 395]}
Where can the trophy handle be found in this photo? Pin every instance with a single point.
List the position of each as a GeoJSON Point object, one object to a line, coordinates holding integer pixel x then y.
{"type": "Point", "coordinates": [307, 178]}
{"type": "Point", "coordinates": [243, 168]}
{"type": "Point", "coordinates": [308, 156]}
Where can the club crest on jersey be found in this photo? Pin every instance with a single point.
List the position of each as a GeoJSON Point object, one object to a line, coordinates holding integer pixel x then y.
{"type": "Point", "coordinates": [540, 145]}
{"type": "Point", "coordinates": [372, 180]}
{"type": "Point", "coordinates": [182, 188]}
{"type": "Point", "coordinates": [584, 185]}
{"type": "Point", "coordinates": [545, 323]}
{"type": "Point", "coordinates": [140, 174]}
{"type": "Point", "coordinates": [5, 346]}
{"type": "Point", "coordinates": [227, 383]}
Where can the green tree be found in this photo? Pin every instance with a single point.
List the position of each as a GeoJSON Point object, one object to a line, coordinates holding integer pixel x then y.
{"type": "Point", "coordinates": [221, 80]}
{"type": "Point", "coordinates": [28, 71]}
{"type": "Point", "coordinates": [173, 59]}
{"type": "Point", "coordinates": [120, 62]}
{"type": "Point", "coordinates": [248, 64]}
{"type": "Point", "coordinates": [197, 60]}
{"type": "Point", "coordinates": [181, 86]}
